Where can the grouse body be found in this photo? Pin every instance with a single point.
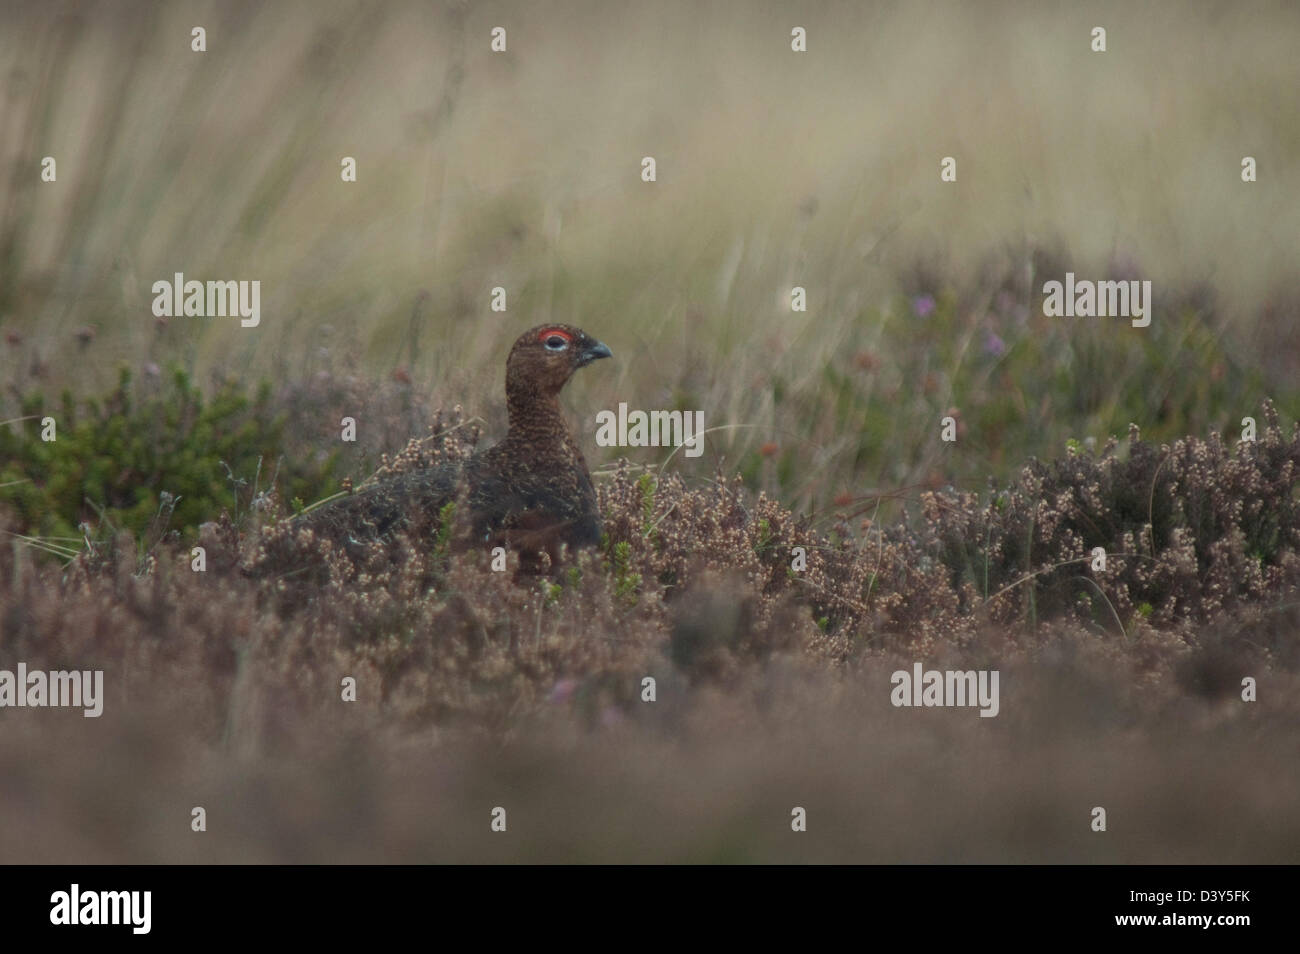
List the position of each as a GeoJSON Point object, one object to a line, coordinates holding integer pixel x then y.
{"type": "Point", "coordinates": [532, 491]}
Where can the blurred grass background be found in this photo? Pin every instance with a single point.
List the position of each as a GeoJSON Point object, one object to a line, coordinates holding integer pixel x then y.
{"type": "Point", "coordinates": [775, 169]}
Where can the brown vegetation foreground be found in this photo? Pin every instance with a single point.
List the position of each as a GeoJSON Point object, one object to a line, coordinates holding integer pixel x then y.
{"type": "Point", "coordinates": [1120, 687]}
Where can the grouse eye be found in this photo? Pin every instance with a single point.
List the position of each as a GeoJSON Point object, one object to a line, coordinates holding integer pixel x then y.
{"type": "Point", "coordinates": [556, 343]}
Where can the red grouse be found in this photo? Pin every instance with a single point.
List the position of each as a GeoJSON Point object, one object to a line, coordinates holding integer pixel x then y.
{"type": "Point", "coordinates": [532, 491]}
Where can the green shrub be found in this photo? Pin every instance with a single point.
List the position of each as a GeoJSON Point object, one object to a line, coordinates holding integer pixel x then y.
{"type": "Point", "coordinates": [148, 458]}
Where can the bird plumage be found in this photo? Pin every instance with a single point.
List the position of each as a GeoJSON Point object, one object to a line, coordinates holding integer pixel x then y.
{"type": "Point", "coordinates": [532, 491]}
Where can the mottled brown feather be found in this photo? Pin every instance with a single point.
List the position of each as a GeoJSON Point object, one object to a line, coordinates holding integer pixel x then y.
{"type": "Point", "coordinates": [531, 492]}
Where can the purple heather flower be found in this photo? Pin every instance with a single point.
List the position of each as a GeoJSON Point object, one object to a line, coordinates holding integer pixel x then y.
{"type": "Point", "coordinates": [994, 346]}
{"type": "Point", "coordinates": [563, 690]}
{"type": "Point", "coordinates": [923, 305]}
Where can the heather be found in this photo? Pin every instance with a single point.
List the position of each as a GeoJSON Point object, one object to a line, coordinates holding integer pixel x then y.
{"type": "Point", "coordinates": [504, 678]}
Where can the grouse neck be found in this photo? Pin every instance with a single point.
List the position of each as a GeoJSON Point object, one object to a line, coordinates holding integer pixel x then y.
{"type": "Point", "coordinates": [531, 409]}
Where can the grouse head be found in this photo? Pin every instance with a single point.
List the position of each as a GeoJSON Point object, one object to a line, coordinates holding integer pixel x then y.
{"type": "Point", "coordinates": [544, 358]}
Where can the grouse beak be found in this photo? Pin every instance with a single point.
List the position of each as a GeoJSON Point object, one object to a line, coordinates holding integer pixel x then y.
{"type": "Point", "coordinates": [592, 352]}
